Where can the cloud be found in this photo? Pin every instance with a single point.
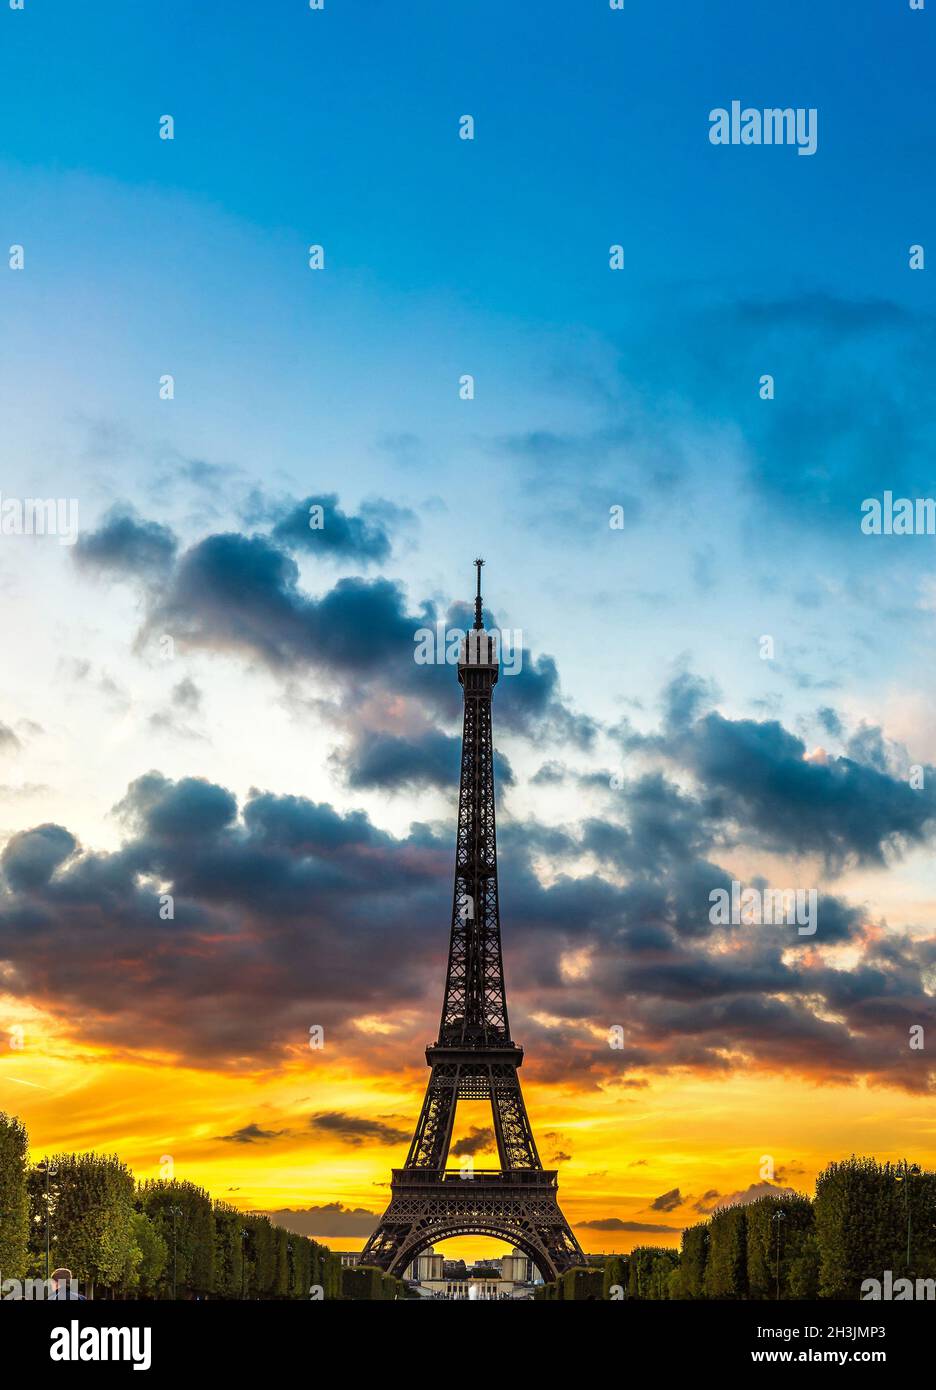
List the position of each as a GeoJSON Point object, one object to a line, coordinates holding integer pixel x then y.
{"type": "Point", "coordinates": [669, 1201]}
{"type": "Point", "coordinates": [31, 857]}
{"type": "Point", "coordinates": [708, 1201]}
{"type": "Point", "coordinates": [330, 1219]}
{"type": "Point", "coordinates": [251, 1134]}
{"type": "Point", "coordinates": [477, 1141]}
{"type": "Point", "coordinates": [354, 1130]}
{"type": "Point", "coordinates": [363, 538]}
{"type": "Point", "coordinates": [9, 743]}
{"type": "Point", "coordinates": [277, 891]}
{"type": "Point", "coordinates": [390, 762]}
{"type": "Point", "coordinates": [751, 1194]}
{"type": "Point", "coordinates": [186, 699]}
{"type": "Point", "coordinates": [187, 696]}
{"type": "Point", "coordinates": [126, 546]}
{"type": "Point", "coordinates": [614, 1223]}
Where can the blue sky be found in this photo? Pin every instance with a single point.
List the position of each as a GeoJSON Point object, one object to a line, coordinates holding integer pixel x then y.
{"type": "Point", "coordinates": [490, 257]}
{"type": "Point", "coordinates": [594, 388]}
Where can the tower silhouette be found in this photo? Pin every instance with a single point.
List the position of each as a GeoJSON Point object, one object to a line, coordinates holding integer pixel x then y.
{"type": "Point", "coordinates": [474, 1057]}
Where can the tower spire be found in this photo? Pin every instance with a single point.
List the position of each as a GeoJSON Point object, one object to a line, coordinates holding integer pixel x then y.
{"type": "Point", "coordinates": [479, 621]}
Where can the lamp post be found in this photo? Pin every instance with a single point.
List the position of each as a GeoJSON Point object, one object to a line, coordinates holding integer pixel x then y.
{"type": "Point", "coordinates": [779, 1217]}
{"type": "Point", "coordinates": [49, 1198]}
{"type": "Point", "coordinates": [244, 1234]}
{"type": "Point", "coordinates": [906, 1171]}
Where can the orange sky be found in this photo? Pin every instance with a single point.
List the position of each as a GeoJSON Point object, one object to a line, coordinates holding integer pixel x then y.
{"type": "Point", "coordinates": [679, 1136]}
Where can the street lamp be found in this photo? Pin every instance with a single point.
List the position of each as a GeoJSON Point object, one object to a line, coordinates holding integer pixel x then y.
{"type": "Point", "coordinates": [906, 1171]}
{"type": "Point", "coordinates": [779, 1217]}
{"type": "Point", "coordinates": [244, 1234]}
{"type": "Point", "coordinates": [49, 1199]}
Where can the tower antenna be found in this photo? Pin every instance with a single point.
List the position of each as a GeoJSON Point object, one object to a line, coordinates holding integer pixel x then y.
{"type": "Point", "coordinates": [479, 621]}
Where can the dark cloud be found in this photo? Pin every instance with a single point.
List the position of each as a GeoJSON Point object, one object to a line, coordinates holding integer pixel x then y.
{"type": "Point", "coordinates": [837, 807]}
{"type": "Point", "coordinates": [251, 1134]}
{"type": "Point", "coordinates": [290, 914]}
{"type": "Point", "coordinates": [242, 593]}
{"type": "Point", "coordinates": [614, 1223]}
{"type": "Point", "coordinates": [830, 722]}
{"type": "Point", "coordinates": [127, 546]}
{"type": "Point", "coordinates": [363, 538]}
{"type": "Point", "coordinates": [477, 1141]}
{"type": "Point", "coordinates": [428, 759]}
{"type": "Point", "coordinates": [387, 761]}
{"type": "Point", "coordinates": [30, 858]}
{"type": "Point", "coordinates": [749, 1195]}
{"type": "Point", "coordinates": [330, 1219]}
{"type": "Point", "coordinates": [669, 1201]}
{"type": "Point", "coordinates": [354, 1130]}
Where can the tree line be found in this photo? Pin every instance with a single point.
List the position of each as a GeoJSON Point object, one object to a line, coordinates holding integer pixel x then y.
{"type": "Point", "coordinates": [157, 1239]}
{"type": "Point", "coordinates": [866, 1218]}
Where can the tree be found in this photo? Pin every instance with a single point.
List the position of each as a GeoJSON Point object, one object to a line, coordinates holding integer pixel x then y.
{"type": "Point", "coordinates": [794, 1218]}
{"type": "Point", "coordinates": [803, 1281]}
{"type": "Point", "coordinates": [261, 1256]}
{"type": "Point", "coordinates": [860, 1225]}
{"type": "Point", "coordinates": [228, 1252]}
{"type": "Point", "coordinates": [281, 1263]}
{"type": "Point", "coordinates": [695, 1244]}
{"type": "Point", "coordinates": [92, 1224]}
{"type": "Point", "coordinates": [650, 1269]}
{"type": "Point", "coordinates": [184, 1217]}
{"type": "Point", "coordinates": [154, 1254]}
{"type": "Point", "coordinates": [14, 1199]}
{"type": "Point", "coordinates": [615, 1275]}
{"type": "Point", "coordinates": [726, 1265]}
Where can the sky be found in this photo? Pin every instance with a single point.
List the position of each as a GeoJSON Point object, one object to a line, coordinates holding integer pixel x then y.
{"type": "Point", "coordinates": [205, 697]}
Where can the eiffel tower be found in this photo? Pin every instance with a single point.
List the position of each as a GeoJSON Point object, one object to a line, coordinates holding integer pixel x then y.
{"type": "Point", "coordinates": [474, 1057]}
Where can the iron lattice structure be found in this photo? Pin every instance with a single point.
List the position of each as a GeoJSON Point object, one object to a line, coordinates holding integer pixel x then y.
{"type": "Point", "coordinates": [474, 1057]}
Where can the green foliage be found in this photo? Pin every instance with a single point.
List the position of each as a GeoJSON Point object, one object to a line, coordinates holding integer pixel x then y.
{"type": "Point", "coordinates": [650, 1267]}
{"type": "Point", "coordinates": [228, 1252]}
{"type": "Point", "coordinates": [861, 1210]}
{"type": "Point", "coordinates": [280, 1262]}
{"type": "Point", "coordinates": [183, 1216]}
{"type": "Point", "coordinates": [362, 1282]}
{"type": "Point", "coordinates": [726, 1267]}
{"type": "Point", "coordinates": [582, 1284]}
{"type": "Point", "coordinates": [300, 1266]}
{"type": "Point", "coordinates": [695, 1244]}
{"type": "Point", "coordinates": [803, 1279]}
{"type": "Point", "coordinates": [765, 1242]}
{"type": "Point", "coordinates": [153, 1255]}
{"type": "Point", "coordinates": [14, 1199]}
{"type": "Point", "coordinates": [92, 1206]}
{"type": "Point", "coordinates": [614, 1275]}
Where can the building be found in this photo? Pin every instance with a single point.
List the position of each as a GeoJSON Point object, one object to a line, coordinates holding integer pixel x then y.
{"type": "Point", "coordinates": [509, 1277]}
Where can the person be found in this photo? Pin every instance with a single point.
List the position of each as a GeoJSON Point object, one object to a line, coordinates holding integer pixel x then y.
{"type": "Point", "coordinates": [63, 1286]}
